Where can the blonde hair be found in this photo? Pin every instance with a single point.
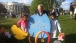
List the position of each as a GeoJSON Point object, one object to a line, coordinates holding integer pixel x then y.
{"type": "Point", "coordinates": [40, 5]}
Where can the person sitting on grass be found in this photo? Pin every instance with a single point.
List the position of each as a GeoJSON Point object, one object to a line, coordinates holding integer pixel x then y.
{"type": "Point", "coordinates": [54, 25]}
{"type": "Point", "coordinates": [23, 23]}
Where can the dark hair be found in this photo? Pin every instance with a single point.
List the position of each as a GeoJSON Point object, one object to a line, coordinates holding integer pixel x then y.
{"type": "Point", "coordinates": [25, 15]}
{"type": "Point", "coordinates": [53, 14]}
{"type": "Point", "coordinates": [71, 3]}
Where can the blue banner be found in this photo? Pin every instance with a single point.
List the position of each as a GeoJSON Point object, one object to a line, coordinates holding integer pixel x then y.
{"type": "Point", "coordinates": [38, 23]}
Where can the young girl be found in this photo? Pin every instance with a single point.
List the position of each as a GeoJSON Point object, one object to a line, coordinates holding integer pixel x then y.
{"type": "Point", "coordinates": [54, 25]}
{"type": "Point", "coordinates": [23, 23]}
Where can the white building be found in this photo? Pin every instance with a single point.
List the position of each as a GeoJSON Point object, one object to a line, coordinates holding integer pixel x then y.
{"type": "Point", "coordinates": [13, 7]}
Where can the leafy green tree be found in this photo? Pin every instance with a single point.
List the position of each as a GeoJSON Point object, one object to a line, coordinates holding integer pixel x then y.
{"type": "Point", "coordinates": [2, 8]}
{"type": "Point", "coordinates": [35, 3]}
{"type": "Point", "coordinates": [48, 4]}
{"type": "Point", "coordinates": [25, 9]}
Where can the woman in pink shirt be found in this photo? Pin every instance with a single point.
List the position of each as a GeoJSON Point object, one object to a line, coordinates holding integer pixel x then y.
{"type": "Point", "coordinates": [23, 23]}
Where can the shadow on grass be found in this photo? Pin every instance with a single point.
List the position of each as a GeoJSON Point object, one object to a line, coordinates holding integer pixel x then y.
{"type": "Point", "coordinates": [5, 39]}
{"type": "Point", "coordinates": [71, 38]}
{"type": "Point", "coordinates": [7, 27]}
{"type": "Point", "coordinates": [38, 40]}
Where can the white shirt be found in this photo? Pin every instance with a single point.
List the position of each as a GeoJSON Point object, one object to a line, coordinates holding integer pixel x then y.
{"type": "Point", "coordinates": [40, 13]}
{"type": "Point", "coordinates": [55, 25]}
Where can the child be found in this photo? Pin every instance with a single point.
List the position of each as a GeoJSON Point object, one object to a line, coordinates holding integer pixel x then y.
{"type": "Point", "coordinates": [23, 23]}
{"type": "Point", "coordinates": [54, 25]}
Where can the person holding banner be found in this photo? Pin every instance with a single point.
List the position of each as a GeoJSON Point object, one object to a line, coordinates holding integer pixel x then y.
{"type": "Point", "coordinates": [54, 25]}
{"type": "Point", "coordinates": [38, 24]}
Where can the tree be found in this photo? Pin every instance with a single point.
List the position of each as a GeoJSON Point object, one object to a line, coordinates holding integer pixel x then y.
{"type": "Point", "coordinates": [58, 2]}
{"type": "Point", "coordinates": [25, 9]}
{"type": "Point", "coordinates": [61, 10]}
{"type": "Point", "coordinates": [48, 4]}
{"type": "Point", "coordinates": [2, 8]}
{"type": "Point", "coordinates": [35, 3]}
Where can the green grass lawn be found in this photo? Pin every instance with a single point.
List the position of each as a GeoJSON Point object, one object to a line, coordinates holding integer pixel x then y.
{"type": "Point", "coordinates": [8, 22]}
{"type": "Point", "coordinates": [68, 26]}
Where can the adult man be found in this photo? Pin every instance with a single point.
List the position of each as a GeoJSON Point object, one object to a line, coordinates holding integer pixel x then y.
{"type": "Point", "coordinates": [71, 10]}
{"type": "Point", "coordinates": [40, 10]}
{"type": "Point", "coordinates": [39, 22]}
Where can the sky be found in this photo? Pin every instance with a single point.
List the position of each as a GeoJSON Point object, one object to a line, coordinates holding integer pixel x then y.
{"type": "Point", "coordinates": [21, 1]}
{"type": "Point", "coordinates": [65, 5]}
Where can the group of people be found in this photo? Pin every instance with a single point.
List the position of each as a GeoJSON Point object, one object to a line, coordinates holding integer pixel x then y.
{"type": "Point", "coordinates": [23, 22]}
